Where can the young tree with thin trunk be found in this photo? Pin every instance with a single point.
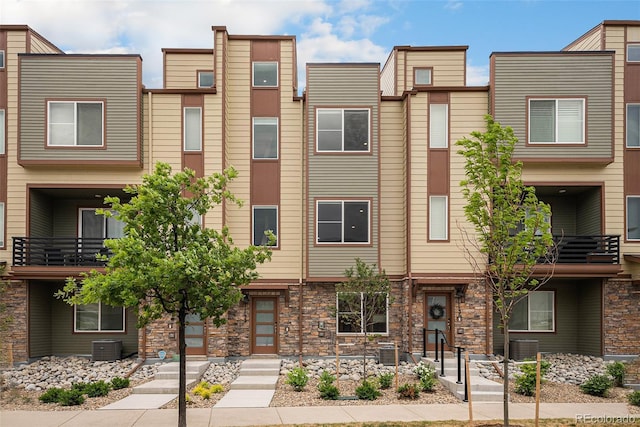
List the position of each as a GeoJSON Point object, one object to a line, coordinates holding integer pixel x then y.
{"type": "Point", "coordinates": [511, 246]}
{"type": "Point", "coordinates": [167, 263]}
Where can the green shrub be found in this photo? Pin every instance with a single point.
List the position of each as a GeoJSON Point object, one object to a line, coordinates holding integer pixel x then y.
{"type": "Point", "coordinates": [79, 386]}
{"type": "Point", "coordinates": [217, 388]}
{"type": "Point", "coordinates": [297, 378]}
{"type": "Point", "coordinates": [71, 397]}
{"type": "Point", "coordinates": [118, 383]}
{"type": "Point", "coordinates": [409, 391]}
{"type": "Point", "coordinates": [327, 390]}
{"type": "Point", "coordinates": [597, 385]}
{"type": "Point", "coordinates": [426, 375]}
{"type": "Point", "coordinates": [634, 398]}
{"type": "Point", "coordinates": [617, 371]}
{"type": "Point", "coordinates": [428, 384]}
{"type": "Point", "coordinates": [97, 389]}
{"type": "Point", "coordinates": [526, 380]}
{"type": "Point", "coordinates": [367, 391]}
{"type": "Point", "coordinates": [51, 396]}
{"type": "Point", "coordinates": [385, 379]}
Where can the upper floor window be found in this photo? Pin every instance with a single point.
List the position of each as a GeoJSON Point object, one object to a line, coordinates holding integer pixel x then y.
{"type": "Point", "coordinates": [265, 74]}
{"type": "Point", "coordinates": [341, 130]}
{"type": "Point", "coordinates": [633, 217]}
{"type": "Point", "coordinates": [633, 125]}
{"type": "Point", "coordinates": [438, 218]}
{"type": "Point", "coordinates": [422, 76]}
{"type": "Point", "coordinates": [1, 59]}
{"type": "Point", "coordinates": [633, 53]}
{"type": "Point", "coordinates": [534, 313]}
{"type": "Point", "coordinates": [438, 126]}
{"type": "Point", "coordinates": [205, 79]}
{"type": "Point", "coordinates": [192, 129]}
{"type": "Point", "coordinates": [357, 312]}
{"type": "Point", "coordinates": [265, 137]}
{"type": "Point", "coordinates": [2, 132]}
{"type": "Point", "coordinates": [265, 218]}
{"type": "Point", "coordinates": [75, 123]}
{"type": "Point", "coordinates": [98, 317]}
{"type": "Point", "coordinates": [341, 221]}
{"type": "Point", "coordinates": [556, 121]}
{"type": "Point", "coordinates": [95, 226]}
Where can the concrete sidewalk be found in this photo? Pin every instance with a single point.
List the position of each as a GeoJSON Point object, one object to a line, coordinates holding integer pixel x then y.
{"type": "Point", "coordinates": [589, 413]}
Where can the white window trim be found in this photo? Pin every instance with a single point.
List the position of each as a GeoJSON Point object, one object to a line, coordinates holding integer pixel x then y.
{"type": "Point", "coordinates": [446, 218]}
{"type": "Point", "coordinates": [415, 76]}
{"type": "Point", "coordinates": [319, 111]}
{"type": "Point", "coordinates": [2, 216]}
{"type": "Point", "coordinates": [253, 73]}
{"type": "Point", "coordinates": [277, 124]}
{"type": "Point", "coordinates": [3, 131]}
{"type": "Point", "coordinates": [626, 130]}
{"type": "Point", "coordinates": [632, 45]}
{"type": "Point", "coordinates": [584, 130]}
{"type": "Point", "coordinates": [200, 73]}
{"type": "Point", "coordinates": [342, 202]}
{"type": "Point", "coordinates": [104, 219]}
{"type": "Point", "coordinates": [99, 330]}
{"type": "Point", "coordinates": [553, 315]}
{"type": "Point", "coordinates": [75, 124]}
{"type": "Point", "coordinates": [253, 221]}
{"type": "Point", "coordinates": [386, 333]}
{"type": "Point", "coordinates": [432, 127]}
{"type": "Point", "coordinates": [184, 130]}
{"type": "Point", "coordinates": [626, 215]}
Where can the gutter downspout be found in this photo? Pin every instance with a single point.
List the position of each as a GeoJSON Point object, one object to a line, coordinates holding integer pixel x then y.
{"type": "Point", "coordinates": [302, 240]}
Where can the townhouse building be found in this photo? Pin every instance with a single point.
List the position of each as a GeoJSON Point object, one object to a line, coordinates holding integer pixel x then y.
{"type": "Point", "coordinates": [362, 164]}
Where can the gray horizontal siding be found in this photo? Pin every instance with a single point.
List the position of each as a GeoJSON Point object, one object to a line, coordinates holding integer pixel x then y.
{"type": "Point", "coordinates": [114, 80]}
{"type": "Point", "coordinates": [553, 75]}
{"type": "Point", "coordinates": [342, 176]}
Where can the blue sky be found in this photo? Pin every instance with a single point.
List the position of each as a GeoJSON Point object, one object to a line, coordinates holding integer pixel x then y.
{"type": "Point", "coordinates": [326, 30]}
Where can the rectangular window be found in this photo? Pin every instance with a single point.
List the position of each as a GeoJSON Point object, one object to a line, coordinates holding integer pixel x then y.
{"type": "Point", "coordinates": [265, 218]}
{"type": "Point", "coordinates": [633, 53]}
{"type": "Point", "coordinates": [265, 137]}
{"type": "Point", "coordinates": [438, 126]}
{"type": "Point", "coordinates": [75, 123]}
{"type": "Point", "coordinates": [95, 226]}
{"type": "Point", "coordinates": [3, 132]}
{"type": "Point", "coordinates": [340, 130]}
{"type": "Point", "coordinates": [265, 74]}
{"type": "Point", "coordinates": [633, 125]}
{"type": "Point", "coordinates": [205, 79]}
{"type": "Point", "coordinates": [357, 311]}
{"type": "Point", "coordinates": [438, 218]}
{"type": "Point", "coordinates": [2, 224]}
{"type": "Point", "coordinates": [98, 317]}
{"type": "Point", "coordinates": [342, 221]}
{"type": "Point", "coordinates": [422, 77]}
{"type": "Point", "coordinates": [1, 59]}
{"type": "Point", "coordinates": [192, 129]}
{"type": "Point", "coordinates": [633, 217]}
{"type": "Point", "coordinates": [556, 121]}
{"type": "Point", "coordinates": [534, 313]}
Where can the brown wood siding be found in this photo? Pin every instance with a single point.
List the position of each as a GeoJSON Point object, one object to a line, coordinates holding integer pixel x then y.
{"type": "Point", "coordinates": [265, 189]}
{"type": "Point", "coordinates": [631, 156]}
{"type": "Point", "coordinates": [194, 159]}
{"type": "Point", "coordinates": [632, 171]}
{"type": "Point", "coordinates": [344, 175]}
{"type": "Point", "coordinates": [113, 79]}
{"type": "Point", "coordinates": [438, 172]}
{"type": "Point", "coordinates": [588, 76]}
{"type": "Point", "coordinates": [265, 103]}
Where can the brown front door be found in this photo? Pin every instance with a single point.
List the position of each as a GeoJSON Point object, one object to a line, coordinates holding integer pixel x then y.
{"type": "Point", "coordinates": [194, 335]}
{"type": "Point", "coordinates": [438, 316]}
{"type": "Point", "coordinates": [264, 325]}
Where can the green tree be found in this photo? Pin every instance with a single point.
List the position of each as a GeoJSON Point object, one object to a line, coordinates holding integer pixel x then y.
{"type": "Point", "coordinates": [511, 226]}
{"type": "Point", "coordinates": [362, 299]}
{"type": "Point", "coordinates": [167, 263]}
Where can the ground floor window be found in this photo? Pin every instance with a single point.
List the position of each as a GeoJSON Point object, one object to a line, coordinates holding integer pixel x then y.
{"type": "Point", "coordinates": [98, 317]}
{"type": "Point", "coordinates": [534, 313]}
{"type": "Point", "coordinates": [357, 311]}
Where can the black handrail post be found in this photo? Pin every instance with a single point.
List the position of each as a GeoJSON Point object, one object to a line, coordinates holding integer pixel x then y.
{"type": "Point", "coordinates": [424, 342]}
{"type": "Point", "coordinates": [436, 340]}
{"type": "Point", "coordinates": [442, 357]}
{"type": "Point", "coordinates": [459, 365]}
{"type": "Point", "coordinates": [466, 385]}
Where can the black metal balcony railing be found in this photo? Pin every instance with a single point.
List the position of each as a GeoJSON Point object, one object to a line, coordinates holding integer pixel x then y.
{"type": "Point", "coordinates": [58, 251]}
{"type": "Point", "coordinates": [593, 249]}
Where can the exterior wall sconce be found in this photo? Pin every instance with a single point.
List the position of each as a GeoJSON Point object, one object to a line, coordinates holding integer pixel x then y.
{"type": "Point", "coordinates": [459, 295]}
{"type": "Point", "coordinates": [245, 298]}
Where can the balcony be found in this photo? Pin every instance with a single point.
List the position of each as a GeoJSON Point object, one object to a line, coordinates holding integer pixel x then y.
{"type": "Point", "coordinates": [595, 249]}
{"type": "Point", "coordinates": [58, 252]}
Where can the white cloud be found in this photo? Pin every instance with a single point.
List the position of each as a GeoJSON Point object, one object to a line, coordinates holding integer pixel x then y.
{"type": "Point", "coordinates": [477, 75]}
{"type": "Point", "coordinates": [453, 5]}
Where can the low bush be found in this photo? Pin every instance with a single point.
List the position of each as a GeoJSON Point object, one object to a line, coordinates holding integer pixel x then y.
{"type": "Point", "coordinates": [97, 389]}
{"type": "Point", "coordinates": [297, 378]}
{"type": "Point", "coordinates": [634, 398]}
{"type": "Point", "coordinates": [409, 391]}
{"type": "Point", "coordinates": [526, 380]}
{"type": "Point", "coordinates": [367, 391]}
{"type": "Point", "coordinates": [617, 370]}
{"type": "Point", "coordinates": [217, 388]}
{"type": "Point", "coordinates": [72, 397]}
{"type": "Point", "coordinates": [327, 390]}
{"type": "Point", "coordinates": [118, 383]}
{"type": "Point", "coordinates": [426, 375]}
{"type": "Point", "coordinates": [385, 380]}
{"type": "Point", "coordinates": [597, 385]}
{"type": "Point", "coordinates": [51, 395]}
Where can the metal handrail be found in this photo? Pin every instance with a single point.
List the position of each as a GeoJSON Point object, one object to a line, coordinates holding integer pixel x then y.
{"type": "Point", "coordinates": [58, 251]}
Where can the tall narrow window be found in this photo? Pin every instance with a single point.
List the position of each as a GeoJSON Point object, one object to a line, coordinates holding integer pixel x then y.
{"type": "Point", "coordinates": [556, 121]}
{"type": "Point", "coordinates": [438, 126]}
{"type": "Point", "coordinates": [2, 132]}
{"type": "Point", "coordinates": [438, 218]}
{"type": "Point", "coordinates": [265, 74]}
{"type": "Point", "coordinates": [265, 218]}
{"type": "Point", "coordinates": [265, 138]}
{"type": "Point", "coordinates": [633, 125]}
{"type": "Point", "coordinates": [1, 59]}
{"type": "Point", "coordinates": [75, 123]}
{"type": "Point", "coordinates": [633, 217]}
{"type": "Point", "coordinates": [192, 129]}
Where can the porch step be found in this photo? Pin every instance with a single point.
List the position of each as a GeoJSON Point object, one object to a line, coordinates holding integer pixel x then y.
{"type": "Point", "coordinates": [482, 389]}
{"type": "Point", "coordinates": [254, 386]}
{"type": "Point", "coordinates": [161, 387]}
{"type": "Point", "coordinates": [166, 380]}
{"type": "Point", "coordinates": [254, 383]}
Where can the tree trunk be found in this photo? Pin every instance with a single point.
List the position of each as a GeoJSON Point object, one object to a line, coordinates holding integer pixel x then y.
{"type": "Point", "coordinates": [182, 387]}
{"type": "Point", "coordinates": [505, 362]}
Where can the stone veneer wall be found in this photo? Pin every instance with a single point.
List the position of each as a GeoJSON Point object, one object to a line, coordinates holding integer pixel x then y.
{"type": "Point", "coordinates": [621, 324]}
{"type": "Point", "coordinates": [16, 300]}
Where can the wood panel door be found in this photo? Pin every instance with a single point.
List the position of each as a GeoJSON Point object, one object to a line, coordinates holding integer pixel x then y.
{"type": "Point", "coordinates": [438, 316]}
{"type": "Point", "coordinates": [264, 329]}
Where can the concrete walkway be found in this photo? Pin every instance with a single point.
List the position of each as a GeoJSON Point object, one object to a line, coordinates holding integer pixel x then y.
{"type": "Point", "coordinates": [580, 413]}
{"type": "Point", "coordinates": [255, 385]}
